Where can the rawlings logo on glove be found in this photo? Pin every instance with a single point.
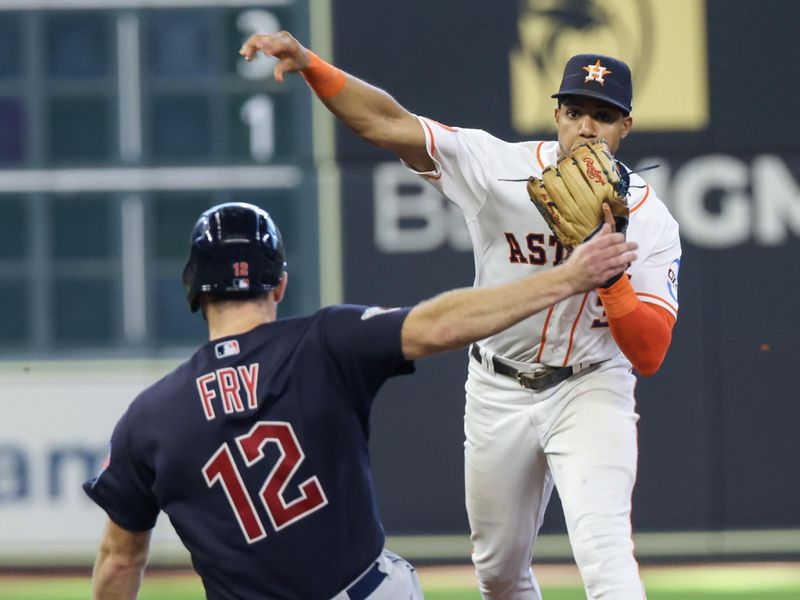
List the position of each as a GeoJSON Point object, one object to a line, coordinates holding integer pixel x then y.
{"type": "Point", "coordinates": [591, 172]}
{"type": "Point", "coordinates": [570, 196]}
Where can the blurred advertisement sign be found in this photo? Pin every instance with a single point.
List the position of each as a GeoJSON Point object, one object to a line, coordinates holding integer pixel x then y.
{"type": "Point", "coordinates": [720, 201]}
{"type": "Point", "coordinates": [54, 434]}
{"type": "Point", "coordinates": [664, 43]}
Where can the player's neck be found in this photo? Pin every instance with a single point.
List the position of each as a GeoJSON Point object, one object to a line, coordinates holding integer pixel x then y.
{"type": "Point", "coordinates": [234, 318]}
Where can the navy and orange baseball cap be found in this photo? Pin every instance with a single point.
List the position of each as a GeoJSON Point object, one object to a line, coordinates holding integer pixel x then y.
{"type": "Point", "coordinates": [597, 76]}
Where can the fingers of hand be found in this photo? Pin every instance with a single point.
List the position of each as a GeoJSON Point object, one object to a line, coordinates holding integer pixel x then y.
{"type": "Point", "coordinates": [605, 230]}
{"type": "Point", "coordinates": [616, 246]}
{"type": "Point", "coordinates": [602, 258]}
{"type": "Point", "coordinates": [621, 257]}
{"type": "Point", "coordinates": [613, 254]}
{"type": "Point", "coordinates": [250, 48]}
{"type": "Point", "coordinates": [608, 216]}
{"type": "Point", "coordinates": [257, 43]}
{"type": "Point", "coordinates": [271, 44]}
{"type": "Point", "coordinates": [605, 238]}
{"type": "Point", "coordinates": [628, 258]}
{"type": "Point", "coordinates": [277, 72]}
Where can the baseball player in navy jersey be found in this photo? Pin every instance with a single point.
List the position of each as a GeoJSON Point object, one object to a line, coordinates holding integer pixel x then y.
{"type": "Point", "coordinates": [549, 400]}
{"type": "Point", "coordinates": [256, 447]}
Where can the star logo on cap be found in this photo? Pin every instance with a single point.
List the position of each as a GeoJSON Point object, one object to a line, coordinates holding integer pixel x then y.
{"type": "Point", "coordinates": [596, 73]}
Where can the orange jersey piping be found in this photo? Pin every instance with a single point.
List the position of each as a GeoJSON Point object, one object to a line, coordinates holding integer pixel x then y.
{"type": "Point", "coordinates": [445, 127]}
{"type": "Point", "coordinates": [433, 147]}
{"type": "Point", "coordinates": [646, 194]}
{"type": "Point", "coordinates": [433, 139]}
{"type": "Point", "coordinates": [660, 299]}
{"type": "Point", "coordinates": [544, 333]}
{"type": "Point", "coordinates": [539, 154]}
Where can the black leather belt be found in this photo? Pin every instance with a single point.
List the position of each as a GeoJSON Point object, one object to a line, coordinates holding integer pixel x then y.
{"type": "Point", "coordinates": [362, 587]}
{"type": "Point", "coordinates": [538, 379]}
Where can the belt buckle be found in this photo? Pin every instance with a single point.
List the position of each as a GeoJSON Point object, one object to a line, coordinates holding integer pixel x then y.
{"type": "Point", "coordinates": [528, 379]}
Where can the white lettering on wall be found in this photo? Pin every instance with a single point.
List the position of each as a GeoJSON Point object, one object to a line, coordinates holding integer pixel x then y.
{"type": "Point", "coordinates": [777, 195]}
{"type": "Point", "coordinates": [719, 201]}
{"type": "Point", "coordinates": [411, 216]}
{"type": "Point", "coordinates": [690, 188]}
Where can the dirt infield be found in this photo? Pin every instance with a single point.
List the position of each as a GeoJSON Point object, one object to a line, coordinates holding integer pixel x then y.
{"type": "Point", "coordinates": [567, 574]}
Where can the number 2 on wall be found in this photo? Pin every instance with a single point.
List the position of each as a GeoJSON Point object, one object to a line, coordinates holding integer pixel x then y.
{"type": "Point", "coordinates": [222, 469]}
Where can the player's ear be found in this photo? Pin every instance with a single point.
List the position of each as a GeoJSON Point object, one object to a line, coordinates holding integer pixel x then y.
{"type": "Point", "coordinates": [627, 124]}
{"type": "Point", "coordinates": [279, 291]}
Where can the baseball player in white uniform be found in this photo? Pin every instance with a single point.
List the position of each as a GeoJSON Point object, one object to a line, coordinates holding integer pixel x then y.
{"type": "Point", "coordinates": [550, 401]}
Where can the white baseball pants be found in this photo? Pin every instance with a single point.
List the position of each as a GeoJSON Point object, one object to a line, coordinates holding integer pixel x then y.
{"type": "Point", "coordinates": [397, 581]}
{"type": "Point", "coordinates": [579, 435]}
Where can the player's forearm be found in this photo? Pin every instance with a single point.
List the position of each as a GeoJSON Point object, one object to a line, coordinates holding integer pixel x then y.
{"type": "Point", "coordinates": [371, 113]}
{"type": "Point", "coordinates": [116, 577]}
{"type": "Point", "coordinates": [642, 331]}
{"type": "Point", "coordinates": [368, 111]}
{"type": "Point", "coordinates": [456, 318]}
{"type": "Point", "coordinates": [120, 563]}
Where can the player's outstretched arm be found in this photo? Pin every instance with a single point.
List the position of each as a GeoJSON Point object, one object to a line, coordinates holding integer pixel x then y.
{"type": "Point", "coordinates": [457, 318]}
{"type": "Point", "coordinates": [120, 563]}
{"type": "Point", "coordinates": [370, 112]}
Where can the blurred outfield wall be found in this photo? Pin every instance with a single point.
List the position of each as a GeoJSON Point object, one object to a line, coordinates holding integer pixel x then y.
{"type": "Point", "coordinates": [103, 168]}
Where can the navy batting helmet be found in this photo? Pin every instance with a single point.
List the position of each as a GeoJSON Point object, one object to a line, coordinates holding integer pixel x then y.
{"type": "Point", "coordinates": [236, 249]}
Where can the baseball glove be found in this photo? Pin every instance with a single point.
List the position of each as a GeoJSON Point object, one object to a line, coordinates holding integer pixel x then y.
{"type": "Point", "coordinates": [570, 195]}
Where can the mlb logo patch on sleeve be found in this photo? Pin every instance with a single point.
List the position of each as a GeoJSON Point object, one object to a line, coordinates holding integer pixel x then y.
{"type": "Point", "coordinates": [228, 348]}
{"type": "Point", "coordinates": [376, 310]}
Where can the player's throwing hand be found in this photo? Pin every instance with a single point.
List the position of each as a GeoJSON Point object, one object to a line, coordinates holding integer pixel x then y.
{"type": "Point", "coordinates": [292, 56]}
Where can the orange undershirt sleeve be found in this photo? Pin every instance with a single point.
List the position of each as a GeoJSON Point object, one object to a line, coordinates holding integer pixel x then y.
{"type": "Point", "coordinates": [643, 331]}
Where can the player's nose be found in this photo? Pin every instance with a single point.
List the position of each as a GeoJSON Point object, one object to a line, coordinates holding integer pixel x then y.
{"type": "Point", "coordinates": [587, 127]}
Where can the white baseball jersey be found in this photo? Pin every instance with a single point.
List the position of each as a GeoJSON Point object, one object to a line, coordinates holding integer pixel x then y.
{"type": "Point", "coordinates": [510, 240]}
